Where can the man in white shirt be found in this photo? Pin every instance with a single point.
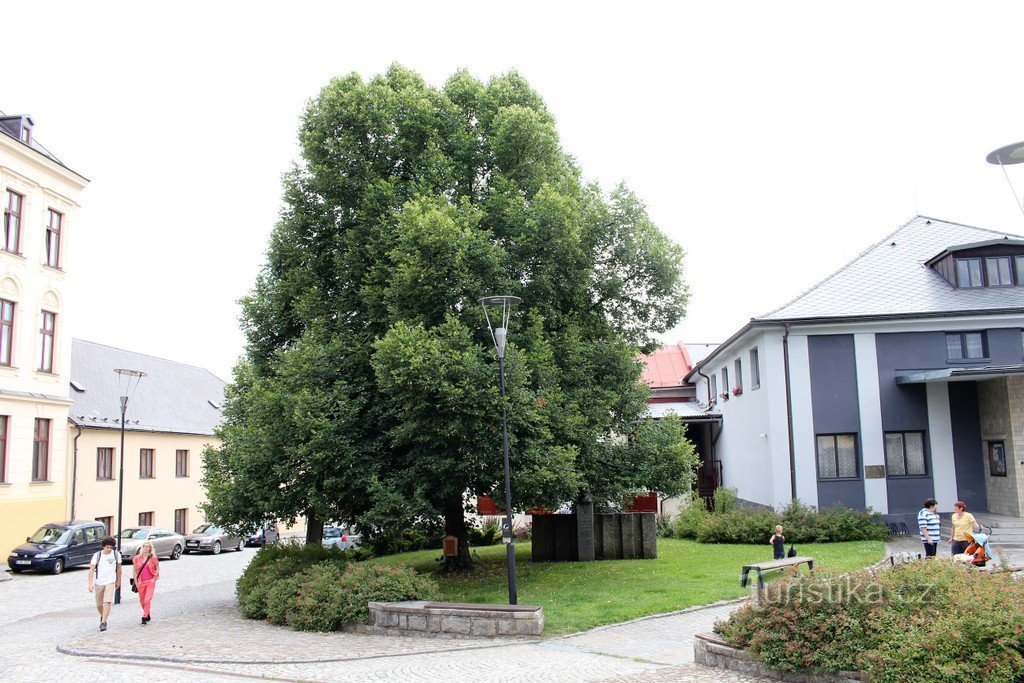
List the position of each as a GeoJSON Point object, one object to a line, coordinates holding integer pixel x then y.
{"type": "Point", "coordinates": [105, 578]}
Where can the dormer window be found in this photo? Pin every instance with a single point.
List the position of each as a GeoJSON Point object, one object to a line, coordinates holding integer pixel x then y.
{"type": "Point", "coordinates": [968, 273]}
{"type": "Point", "coordinates": [992, 263]}
{"type": "Point", "coordinates": [26, 134]}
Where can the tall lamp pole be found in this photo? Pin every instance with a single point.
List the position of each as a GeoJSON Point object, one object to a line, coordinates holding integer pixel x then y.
{"type": "Point", "coordinates": [502, 305]}
{"type": "Point", "coordinates": [127, 381]}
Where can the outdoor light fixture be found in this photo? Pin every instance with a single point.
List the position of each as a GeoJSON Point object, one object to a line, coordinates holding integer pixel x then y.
{"type": "Point", "coordinates": [501, 306]}
{"type": "Point", "coordinates": [127, 383]}
{"type": "Point", "coordinates": [1008, 156]}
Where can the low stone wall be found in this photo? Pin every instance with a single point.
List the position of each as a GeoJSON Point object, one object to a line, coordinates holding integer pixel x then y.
{"type": "Point", "coordinates": [417, 617]}
{"type": "Point", "coordinates": [711, 650]}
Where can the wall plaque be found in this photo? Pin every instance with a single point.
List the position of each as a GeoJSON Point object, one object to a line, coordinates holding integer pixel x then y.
{"type": "Point", "coordinates": [874, 471]}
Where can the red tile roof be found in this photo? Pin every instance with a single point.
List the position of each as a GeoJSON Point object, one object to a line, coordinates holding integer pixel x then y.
{"type": "Point", "coordinates": [667, 366]}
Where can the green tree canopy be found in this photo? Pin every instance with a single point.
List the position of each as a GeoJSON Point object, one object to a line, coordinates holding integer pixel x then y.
{"type": "Point", "coordinates": [369, 388]}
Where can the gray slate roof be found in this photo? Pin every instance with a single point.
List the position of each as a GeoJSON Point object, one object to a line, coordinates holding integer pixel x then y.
{"type": "Point", "coordinates": [891, 278]}
{"type": "Point", "coordinates": [172, 397]}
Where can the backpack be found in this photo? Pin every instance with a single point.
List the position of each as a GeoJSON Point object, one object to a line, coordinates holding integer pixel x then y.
{"type": "Point", "coordinates": [792, 551]}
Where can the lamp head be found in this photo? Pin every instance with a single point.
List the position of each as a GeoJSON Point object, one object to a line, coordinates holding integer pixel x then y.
{"type": "Point", "coordinates": [501, 306]}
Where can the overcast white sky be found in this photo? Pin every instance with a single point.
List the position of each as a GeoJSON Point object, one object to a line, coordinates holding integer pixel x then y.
{"type": "Point", "coordinates": [774, 141]}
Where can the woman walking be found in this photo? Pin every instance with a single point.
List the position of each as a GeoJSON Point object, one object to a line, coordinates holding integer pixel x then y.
{"type": "Point", "coordinates": [147, 571]}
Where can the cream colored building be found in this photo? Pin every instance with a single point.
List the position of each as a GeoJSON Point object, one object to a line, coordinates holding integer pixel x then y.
{"type": "Point", "coordinates": [40, 200]}
{"type": "Point", "coordinates": [170, 418]}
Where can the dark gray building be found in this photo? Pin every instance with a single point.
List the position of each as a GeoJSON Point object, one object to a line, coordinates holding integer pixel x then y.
{"type": "Point", "coordinates": [897, 378]}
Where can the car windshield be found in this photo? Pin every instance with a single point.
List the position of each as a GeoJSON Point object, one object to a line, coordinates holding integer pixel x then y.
{"type": "Point", "coordinates": [206, 529]}
{"type": "Point", "coordinates": [51, 534]}
{"type": "Point", "coordinates": [332, 533]}
{"type": "Point", "coordinates": [135, 533]}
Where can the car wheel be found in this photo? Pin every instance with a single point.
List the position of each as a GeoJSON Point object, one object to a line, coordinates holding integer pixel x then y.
{"type": "Point", "coordinates": [216, 548]}
{"type": "Point", "coordinates": [241, 546]}
{"type": "Point", "coordinates": [58, 566]}
{"type": "Point", "coordinates": [176, 553]}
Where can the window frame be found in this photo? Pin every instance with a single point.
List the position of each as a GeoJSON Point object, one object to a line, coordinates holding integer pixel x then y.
{"type": "Point", "coordinates": [7, 332]}
{"type": "Point", "coordinates": [1009, 270]}
{"type": "Point", "coordinates": [725, 383]}
{"type": "Point", "coordinates": [857, 476]}
{"type": "Point", "coordinates": [737, 367]}
{"type": "Point", "coordinates": [964, 358]}
{"type": "Point", "coordinates": [181, 521]}
{"type": "Point", "coordinates": [924, 451]}
{"type": "Point", "coordinates": [992, 469]}
{"type": "Point", "coordinates": [144, 471]}
{"type": "Point", "coordinates": [755, 369]}
{"type": "Point", "coordinates": [41, 450]}
{"type": "Point", "coordinates": [5, 423]}
{"type": "Point", "coordinates": [53, 258]}
{"type": "Point", "coordinates": [104, 463]}
{"type": "Point", "coordinates": [18, 215]}
{"type": "Point", "coordinates": [47, 341]}
{"type": "Point", "coordinates": [107, 522]}
{"type": "Point", "coordinates": [181, 455]}
{"type": "Point", "coordinates": [146, 518]}
{"type": "Point", "coordinates": [981, 272]}
{"type": "Point", "coordinates": [713, 385]}
{"type": "Point", "coordinates": [1018, 264]}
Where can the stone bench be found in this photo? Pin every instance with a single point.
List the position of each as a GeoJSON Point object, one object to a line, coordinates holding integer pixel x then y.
{"type": "Point", "coordinates": [456, 619]}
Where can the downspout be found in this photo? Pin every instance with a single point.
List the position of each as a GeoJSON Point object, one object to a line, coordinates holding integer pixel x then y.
{"type": "Point", "coordinates": [789, 413]}
{"type": "Point", "coordinates": [713, 440]}
{"type": "Point", "coordinates": [74, 469]}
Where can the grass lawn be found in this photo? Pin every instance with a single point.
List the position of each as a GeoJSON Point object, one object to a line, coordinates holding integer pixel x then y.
{"type": "Point", "coordinates": [581, 595]}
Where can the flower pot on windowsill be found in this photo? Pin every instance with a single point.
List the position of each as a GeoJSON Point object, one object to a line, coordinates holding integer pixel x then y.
{"type": "Point", "coordinates": [736, 391]}
{"type": "Point", "coordinates": [724, 396]}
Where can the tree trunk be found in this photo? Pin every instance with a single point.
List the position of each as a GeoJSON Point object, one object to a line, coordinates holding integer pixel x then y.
{"type": "Point", "coordinates": [314, 528]}
{"type": "Point", "coordinates": [455, 525]}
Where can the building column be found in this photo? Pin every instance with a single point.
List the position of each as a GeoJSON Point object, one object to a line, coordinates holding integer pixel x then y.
{"type": "Point", "coordinates": [940, 443]}
{"type": "Point", "coordinates": [872, 439]}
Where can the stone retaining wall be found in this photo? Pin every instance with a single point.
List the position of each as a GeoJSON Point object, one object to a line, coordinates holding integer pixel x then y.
{"type": "Point", "coordinates": [710, 650]}
{"type": "Point", "coordinates": [416, 617]}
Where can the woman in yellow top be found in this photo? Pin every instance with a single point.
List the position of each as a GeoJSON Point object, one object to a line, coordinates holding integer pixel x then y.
{"type": "Point", "coordinates": [963, 522]}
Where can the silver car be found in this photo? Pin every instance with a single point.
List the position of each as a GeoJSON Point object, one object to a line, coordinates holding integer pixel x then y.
{"type": "Point", "coordinates": [166, 543]}
{"type": "Point", "coordinates": [208, 538]}
{"type": "Point", "coordinates": [340, 537]}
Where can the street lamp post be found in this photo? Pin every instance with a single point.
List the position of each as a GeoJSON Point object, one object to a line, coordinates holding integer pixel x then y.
{"type": "Point", "coordinates": [127, 381]}
{"type": "Point", "coordinates": [499, 335]}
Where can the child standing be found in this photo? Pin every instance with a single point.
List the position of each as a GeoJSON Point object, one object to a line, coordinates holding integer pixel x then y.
{"type": "Point", "coordinates": [778, 542]}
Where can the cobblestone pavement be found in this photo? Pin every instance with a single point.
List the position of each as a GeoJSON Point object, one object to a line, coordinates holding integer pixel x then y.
{"type": "Point", "coordinates": [195, 619]}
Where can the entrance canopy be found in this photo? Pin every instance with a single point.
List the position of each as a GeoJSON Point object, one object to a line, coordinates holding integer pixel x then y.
{"type": "Point", "coordinates": [959, 374]}
{"type": "Point", "coordinates": [688, 411]}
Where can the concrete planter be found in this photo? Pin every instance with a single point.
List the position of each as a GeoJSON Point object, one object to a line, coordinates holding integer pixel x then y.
{"type": "Point", "coordinates": [710, 650]}
{"type": "Point", "coordinates": [457, 620]}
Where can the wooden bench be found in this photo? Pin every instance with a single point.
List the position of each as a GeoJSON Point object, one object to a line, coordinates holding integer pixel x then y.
{"type": "Point", "coordinates": [762, 567]}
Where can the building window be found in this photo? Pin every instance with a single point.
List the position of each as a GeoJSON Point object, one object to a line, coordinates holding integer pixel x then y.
{"type": "Point", "coordinates": [713, 380]}
{"type": "Point", "coordinates": [53, 239]}
{"type": "Point", "coordinates": [837, 456]}
{"type": "Point", "coordinates": [996, 459]}
{"type": "Point", "coordinates": [1019, 263]}
{"type": "Point", "coordinates": [26, 134]}
{"type": "Point", "coordinates": [145, 519]}
{"type": "Point", "coordinates": [108, 522]}
{"type": "Point", "coordinates": [755, 369]}
{"type": "Point", "coordinates": [146, 463]}
{"type": "Point", "coordinates": [46, 333]}
{"type": "Point", "coordinates": [904, 454]}
{"type": "Point", "coordinates": [181, 521]}
{"type": "Point", "coordinates": [12, 222]}
{"type": "Point", "coordinates": [725, 383]}
{"type": "Point", "coordinates": [968, 273]}
{"type": "Point", "coordinates": [181, 463]}
{"type": "Point", "coordinates": [738, 367]}
{"type": "Point", "coordinates": [4, 420]}
{"type": "Point", "coordinates": [41, 451]}
{"type": "Point", "coordinates": [6, 331]}
{"type": "Point", "coordinates": [966, 345]}
{"type": "Point", "coordinates": [104, 463]}
{"type": "Point", "coordinates": [997, 268]}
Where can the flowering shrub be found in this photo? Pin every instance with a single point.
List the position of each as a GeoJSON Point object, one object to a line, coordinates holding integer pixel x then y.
{"type": "Point", "coordinates": [931, 620]}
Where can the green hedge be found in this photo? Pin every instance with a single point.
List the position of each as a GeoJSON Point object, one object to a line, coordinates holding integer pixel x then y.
{"type": "Point", "coordinates": [731, 523]}
{"type": "Point", "coordinates": [312, 588]}
{"type": "Point", "coordinates": [931, 620]}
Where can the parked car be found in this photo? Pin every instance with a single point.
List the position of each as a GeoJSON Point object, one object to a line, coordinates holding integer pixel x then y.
{"type": "Point", "coordinates": [340, 537]}
{"type": "Point", "coordinates": [58, 545]}
{"type": "Point", "coordinates": [262, 537]}
{"type": "Point", "coordinates": [208, 538]}
{"type": "Point", "coordinates": [165, 542]}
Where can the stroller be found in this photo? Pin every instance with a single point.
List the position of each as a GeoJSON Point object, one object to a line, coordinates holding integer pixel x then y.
{"type": "Point", "coordinates": [978, 553]}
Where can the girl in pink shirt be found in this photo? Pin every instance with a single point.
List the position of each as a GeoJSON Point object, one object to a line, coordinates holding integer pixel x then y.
{"type": "Point", "coordinates": [147, 571]}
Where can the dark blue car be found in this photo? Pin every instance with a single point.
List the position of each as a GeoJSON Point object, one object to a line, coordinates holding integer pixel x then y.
{"type": "Point", "coordinates": [58, 545]}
